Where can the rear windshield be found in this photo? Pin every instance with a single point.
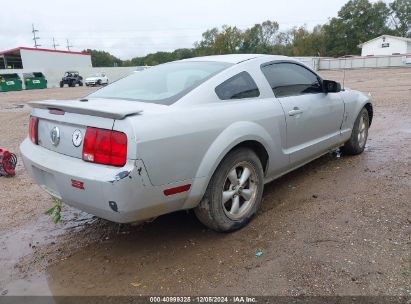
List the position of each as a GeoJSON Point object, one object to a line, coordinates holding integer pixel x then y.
{"type": "Point", "coordinates": [162, 84]}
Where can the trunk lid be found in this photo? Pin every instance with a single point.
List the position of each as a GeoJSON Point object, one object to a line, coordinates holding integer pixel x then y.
{"type": "Point", "coordinates": [62, 124]}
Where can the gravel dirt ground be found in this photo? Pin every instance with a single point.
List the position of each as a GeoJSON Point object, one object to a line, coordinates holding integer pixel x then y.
{"type": "Point", "coordinates": [337, 226]}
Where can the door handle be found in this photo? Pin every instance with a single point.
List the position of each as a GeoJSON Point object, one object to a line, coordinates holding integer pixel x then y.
{"type": "Point", "coordinates": [295, 111]}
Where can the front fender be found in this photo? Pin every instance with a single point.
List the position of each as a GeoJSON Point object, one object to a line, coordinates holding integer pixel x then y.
{"type": "Point", "coordinates": [354, 102]}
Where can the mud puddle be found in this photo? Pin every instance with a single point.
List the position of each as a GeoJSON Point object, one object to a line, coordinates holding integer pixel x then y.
{"type": "Point", "coordinates": [309, 240]}
{"type": "Point", "coordinates": [19, 277]}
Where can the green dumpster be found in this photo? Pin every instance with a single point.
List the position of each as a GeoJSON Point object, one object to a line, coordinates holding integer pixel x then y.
{"type": "Point", "coordinates": [10, 82]}
{"type": "Point", "coordinates": [35, 80]}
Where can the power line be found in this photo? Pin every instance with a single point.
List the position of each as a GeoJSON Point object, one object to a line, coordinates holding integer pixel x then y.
{"type": "Point", "coordinates": [68, 45]}
{"type": "Point", "coordinates": [35, 38]}
{"type": "Point", "coordinates": [54, 44]}
{"type": "Point", "coordinates": [98, 36]}
{"type": "Point", "coordinates": [205, 27]}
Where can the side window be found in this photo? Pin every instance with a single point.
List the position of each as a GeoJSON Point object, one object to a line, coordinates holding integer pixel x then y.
{"type": "Point", "coordinates": [238, 87]}
{"type": "Point", "coordinates": [289, 79]}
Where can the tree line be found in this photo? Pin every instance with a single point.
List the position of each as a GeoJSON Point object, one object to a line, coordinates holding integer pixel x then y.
{"type": "Point", "coordinates": [357, 21]}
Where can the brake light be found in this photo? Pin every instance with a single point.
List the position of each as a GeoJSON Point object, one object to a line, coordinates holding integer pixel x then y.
{"type": "Point", "coordinates": [105, 147]}
{"type": "Point", "coordinates": [56, 111]}
{"type": "Point", "coordinates": [33, 127]}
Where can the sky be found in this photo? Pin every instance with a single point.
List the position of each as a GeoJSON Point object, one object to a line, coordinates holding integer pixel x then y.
{"type": "Point", "coordinates": [128, 28]}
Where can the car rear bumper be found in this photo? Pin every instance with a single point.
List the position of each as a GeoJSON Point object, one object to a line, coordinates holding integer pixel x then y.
{"type": "Point", "coordinates": [91, 187]}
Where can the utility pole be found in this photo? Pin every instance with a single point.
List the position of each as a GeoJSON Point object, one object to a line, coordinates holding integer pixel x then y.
{"type": "Point", "coordinates": [35, 38]}
{"type": "Point", "coordinates": [54, 44]}
{"type": "Point", "coordinates": [68, 45]}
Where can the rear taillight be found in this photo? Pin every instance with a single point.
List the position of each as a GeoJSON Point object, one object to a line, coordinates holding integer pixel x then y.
{"type": "Point", "coordinates": [33, 127]}
{"type": "Point", "coordinates": [105, 147]}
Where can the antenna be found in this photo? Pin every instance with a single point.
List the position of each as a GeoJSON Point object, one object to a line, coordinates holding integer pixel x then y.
{"type": "Point", "coordinates": [68, 45]}
{"type": "Point", "coordinates": [345, 61]}
{"type": "Point", "coordinates": [54, 44]}
{"type": "Point", "coordinates": [35, 38]}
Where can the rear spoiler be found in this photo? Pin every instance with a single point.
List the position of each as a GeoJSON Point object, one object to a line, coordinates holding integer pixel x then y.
{"type": "Point", "coordinates": [99, 107]}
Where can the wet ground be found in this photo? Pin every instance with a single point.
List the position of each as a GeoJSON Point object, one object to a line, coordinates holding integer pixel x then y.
{"type": "Point", "coordinates": [338, 226]}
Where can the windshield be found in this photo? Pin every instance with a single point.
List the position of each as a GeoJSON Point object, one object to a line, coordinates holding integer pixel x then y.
{"type": "Point", "coordinates": [162, 84]}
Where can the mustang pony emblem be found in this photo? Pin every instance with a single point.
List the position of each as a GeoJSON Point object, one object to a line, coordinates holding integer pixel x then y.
{"type": "Point", "coordinates": [55, 136]}
{"type": "Point", "coordinates": [77, 138]}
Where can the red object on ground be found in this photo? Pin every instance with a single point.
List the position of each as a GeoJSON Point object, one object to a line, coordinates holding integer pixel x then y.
{"type": "Point", "coordinates": [8, 163]}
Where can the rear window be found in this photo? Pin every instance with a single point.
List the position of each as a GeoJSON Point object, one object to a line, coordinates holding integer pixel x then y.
{"type": "Point", "coordinates": [162, 84]}
{"type": "Point", "coordinates": [238, 87]}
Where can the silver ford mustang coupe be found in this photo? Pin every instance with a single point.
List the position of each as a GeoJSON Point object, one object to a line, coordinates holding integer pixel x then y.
{"type": "Point", "coordinates": [203, 133]}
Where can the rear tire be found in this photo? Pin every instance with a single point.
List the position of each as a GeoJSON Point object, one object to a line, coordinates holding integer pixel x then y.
{"type": "Point", "coordinates": [61, 84]}
{"type": "Point", "coordinates": [234, 192]}
{"type": "Point", "coordinates": [80, 84]}
{"type": "Point", "coordinates": [356, 144]}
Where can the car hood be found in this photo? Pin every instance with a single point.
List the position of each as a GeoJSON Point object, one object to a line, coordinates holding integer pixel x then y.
{"type": "Point", "coordinates": [101, 107]}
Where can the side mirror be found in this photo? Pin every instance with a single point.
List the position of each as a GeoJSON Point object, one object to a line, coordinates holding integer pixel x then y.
{"type": "Point", "coordinates": [331, 86]}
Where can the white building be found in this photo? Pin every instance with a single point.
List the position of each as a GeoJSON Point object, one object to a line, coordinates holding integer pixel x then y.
{"type": "Point", "coordinates": [36, 59]}
{"type": "Point", "coordinates": [386, 45]}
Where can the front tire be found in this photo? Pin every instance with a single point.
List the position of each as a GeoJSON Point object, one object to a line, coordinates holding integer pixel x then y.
{"type": "Point", "coordinates": [234, 192]}
{"type": "Point", "coordinates": [356, 144]}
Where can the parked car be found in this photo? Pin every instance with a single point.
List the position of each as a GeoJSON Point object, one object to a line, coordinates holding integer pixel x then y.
{"type": "Point", "coordinates": [203, 133]}
{"type": "Point", "coordinates": [140, 68]}
{"type": "Point", "coordinates": [71, 78]}
{"type": "Point", "coordinates": [97, 79]}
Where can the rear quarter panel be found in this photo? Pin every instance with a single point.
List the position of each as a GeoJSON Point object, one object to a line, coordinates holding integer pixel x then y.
{"type": "Point", "coordinates": [189, 142]}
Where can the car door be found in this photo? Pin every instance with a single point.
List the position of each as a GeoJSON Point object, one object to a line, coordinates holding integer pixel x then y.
{"type": "Point", "coordinates": [313, 118]}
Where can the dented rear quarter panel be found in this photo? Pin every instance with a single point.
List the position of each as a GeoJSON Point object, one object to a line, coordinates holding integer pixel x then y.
{"type": "Point", "coordinates": [190, 138]}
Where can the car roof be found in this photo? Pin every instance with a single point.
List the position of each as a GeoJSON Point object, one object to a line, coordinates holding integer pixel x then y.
{"type": "Point", "coordinates": [234, 58]}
